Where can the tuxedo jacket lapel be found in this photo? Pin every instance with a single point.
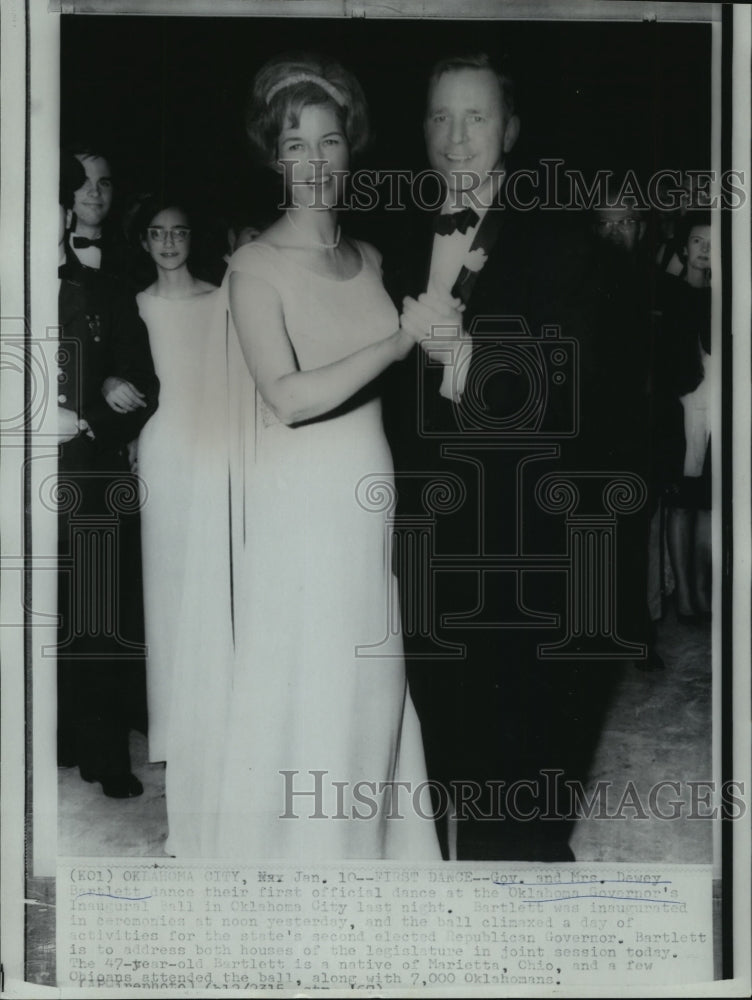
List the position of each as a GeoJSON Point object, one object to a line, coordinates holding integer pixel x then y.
{"type": "Point", "coordinates": [70, 303]}
{"type": "Point", "coordinates": [485, 239]}
{"type": "Point", "coordinates": [420, 252]}
{"type": "Point", "coordinates": [423, 254]}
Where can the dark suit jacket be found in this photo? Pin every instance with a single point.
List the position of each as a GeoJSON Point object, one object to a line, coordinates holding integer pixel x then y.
{"type": "Point", "coordinates": [498, 710]}
{"type": "Point", "coordinates": [500, 288]}
{"type": "Point", "coordinates": [102, 335]}
{"type": "Point", "coordinates": [507, 303]}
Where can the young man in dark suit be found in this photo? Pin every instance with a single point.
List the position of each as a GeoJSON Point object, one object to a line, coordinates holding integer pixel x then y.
{"type": "Point", "coordinates": [107, 390]}
{"type": "Point", "coordinates": [94, 239]}
{"type": "Point", "coordinates": [466, 418]}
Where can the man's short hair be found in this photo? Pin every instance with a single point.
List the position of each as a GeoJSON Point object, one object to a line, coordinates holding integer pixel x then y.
{"type": "Point", "coordinates": [478, 60]}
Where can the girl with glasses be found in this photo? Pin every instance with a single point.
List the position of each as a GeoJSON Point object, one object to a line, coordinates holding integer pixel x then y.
{"type": "Point", "coordinates": [686, 421]}
{"type": "Point", "coordinates": [177, 309]}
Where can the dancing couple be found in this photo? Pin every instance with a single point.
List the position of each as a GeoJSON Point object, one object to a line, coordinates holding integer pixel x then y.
{"type": "Point", "coordinates": [291, 716]}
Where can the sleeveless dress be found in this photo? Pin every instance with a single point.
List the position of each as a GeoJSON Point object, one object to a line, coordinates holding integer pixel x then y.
{"type": "Point", "coordinates": [697, 407]}
{"type": "Point", "coordinates": [687, 416]}
{"type": "Point", "coordinates": [295, 715]}
{"type": "Point", "coordinates": [178, 329]}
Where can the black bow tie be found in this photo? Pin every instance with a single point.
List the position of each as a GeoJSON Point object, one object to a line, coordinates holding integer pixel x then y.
{"type": "Point", "coordinates": [444, 225]}
{"type": "Point", "coordinates": [81, 242]}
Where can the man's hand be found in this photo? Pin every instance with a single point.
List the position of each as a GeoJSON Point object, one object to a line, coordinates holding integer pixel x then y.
{"type": "Point", "coordinates": [436, 323]}
{"type": "Point", "coordinates": [70, 426]}
{"type": "Point", "coordinates": [122, 396]}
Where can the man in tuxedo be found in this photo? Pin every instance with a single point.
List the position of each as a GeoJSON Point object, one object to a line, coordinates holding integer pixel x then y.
{"type": "Point", "coordinates": [107, 390]}
{"type": "Point", "coordinates": [92, 202]}
{"type": "Point", "coordinates": [471, 282]}
{"type": "Point", "coordinates": [93, 238]}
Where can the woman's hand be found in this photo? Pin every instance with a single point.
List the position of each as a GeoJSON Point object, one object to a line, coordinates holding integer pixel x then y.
{"type": "Point", "coordinates": [435, 323]}
{"type": "Point", "coordinates": [404, 342]}
{"type": "Point", "coordinates": [294, 395]}
{"type": "Point", "coordinates": [122, 396]}
{"type": "Point", "coordinates": [70, 426]}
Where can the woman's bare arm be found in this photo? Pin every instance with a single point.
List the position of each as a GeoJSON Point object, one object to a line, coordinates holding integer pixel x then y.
{"type": "Point", "coordinates": [295, 395]}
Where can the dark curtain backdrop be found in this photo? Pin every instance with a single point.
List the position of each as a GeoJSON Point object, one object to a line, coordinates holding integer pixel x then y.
{"type": "Point", "coordinates": [166, 95]}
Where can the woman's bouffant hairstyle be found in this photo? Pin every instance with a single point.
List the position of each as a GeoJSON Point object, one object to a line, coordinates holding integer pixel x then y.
{"type": "Point", "coordinates": [696, 217]}
{"type": "Point", "coordinates": [287, 84]}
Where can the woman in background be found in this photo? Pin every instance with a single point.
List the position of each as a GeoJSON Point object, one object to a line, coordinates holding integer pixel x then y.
{"type": "Point", "coordinates": [685, 374]}
{"type": "Point", "coordinates": [177, 309]}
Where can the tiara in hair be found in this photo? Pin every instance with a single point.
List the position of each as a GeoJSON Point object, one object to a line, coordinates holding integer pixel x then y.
{"type": "Point", "coordinates": [296, 78]}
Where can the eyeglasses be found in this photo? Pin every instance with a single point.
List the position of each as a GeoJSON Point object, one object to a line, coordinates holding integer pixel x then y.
{"type": "Point", "coordinates": [606, 225]}
{"type": "Point", "coordinates": [159, 234]}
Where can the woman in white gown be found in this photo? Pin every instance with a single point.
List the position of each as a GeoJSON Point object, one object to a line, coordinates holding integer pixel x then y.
{"type": "Point", "coordinates": [178, 311]}
{"type": "Point", "coordinates": [294, 719]}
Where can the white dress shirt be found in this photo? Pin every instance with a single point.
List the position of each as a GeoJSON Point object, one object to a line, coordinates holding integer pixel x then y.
{"type": "Point", "coordinates": [448, 255]}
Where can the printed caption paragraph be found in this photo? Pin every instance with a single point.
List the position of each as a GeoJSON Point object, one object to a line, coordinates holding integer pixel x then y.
{"type": "Point", "coordinates": [169, 926]}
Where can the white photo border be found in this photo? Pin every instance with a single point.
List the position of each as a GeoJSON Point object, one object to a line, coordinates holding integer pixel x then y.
{"type": "Point", "coordinates": [30, 60]}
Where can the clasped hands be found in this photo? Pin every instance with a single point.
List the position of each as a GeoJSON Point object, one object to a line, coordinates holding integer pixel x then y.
{"type": "Point", "coordinates": [435, 322]}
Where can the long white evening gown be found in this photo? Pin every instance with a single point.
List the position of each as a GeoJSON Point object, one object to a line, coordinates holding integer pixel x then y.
{"type": "Point", "coordinates": [178, 331]}
{"type": "Point", "coordinates": [290, 586]}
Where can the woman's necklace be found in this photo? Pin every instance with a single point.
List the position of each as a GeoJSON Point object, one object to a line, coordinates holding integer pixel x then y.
{"type": "Point", "coordinates": [324, 246]}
